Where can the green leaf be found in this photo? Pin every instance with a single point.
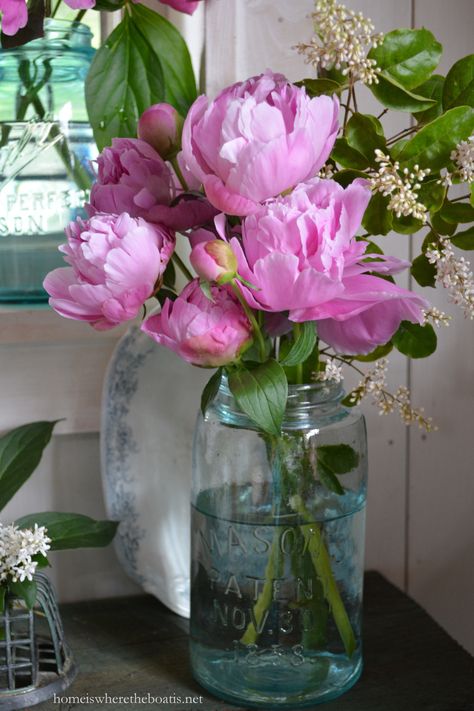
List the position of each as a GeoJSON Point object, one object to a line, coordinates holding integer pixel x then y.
{"type": "Point", "coordinates": [454, 212]}
{"type": "Point", "coordinates": [423, 271]}
{"type": "Point", "coordinates": [378, 218]}
{"type": "Point", "coordinates": [317, 87]}
{"type": "Point", "coordinates": [431, 89]}
{"type": "Point", "coordinates": [414, 340]}
{"type": "Point", "coordinates": [430, 240]}
{"type": "Point", "coordinates": [346, 177]}
{"type": "Point", "coordinates": [379, 352]}
{"type": "Point", "coordinates": [464, 240]}
{"type": "Point", "coordinates": [431, 193]}
{"type": "Point", "coordinates": [71, 530]}
{"type": "Point", "coordinates": [42, 561]}
{"type": "Point", "coordinates": [408, 56]}
{"type": "Point", "coordinates": [27, 591]}
{"type": "Point", "coordinates": [335, 459]}
{"type": "Point", "coordinates": [20, 454]}
{"type": "Point", "coordinates": [459, 85]}
{"type": "Point", "coordinates": [432, 146]}
{"type": "Point", "coordinates": [3, 592]}
{"type": "Point", "coordinates": [394, 96]}
{"type": "Point", "coordinates": [262, 393]}
{"type": "Point", "coordinates": [373, 248]}
{"type": "Point", "coordinates": [406, 225]}
{"type": "Point", "coordinates": [210, 390]}
{"type": "Point", "coordinates": [303, 345]}
{"type": "Point", "coordinates": [364, 133]}
{"type": "Point", "coordinates": [109, 5]}
{"type": "Point", "coordinates": [441, 226]}
{"type": "Point", "coordinates": [144, 61]}
{"type": "Point", "coordinates": [348, 157]}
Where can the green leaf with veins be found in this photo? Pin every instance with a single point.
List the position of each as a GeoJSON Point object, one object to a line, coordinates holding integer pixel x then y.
{"type": "Point", "coordinates": [431, 89]}
{"type": "Point", "coordinates": [408, 56]}
{"type": "Point", "coordinates": [261, 392]}
{"type": "Point", "coordinates": [459, 85]}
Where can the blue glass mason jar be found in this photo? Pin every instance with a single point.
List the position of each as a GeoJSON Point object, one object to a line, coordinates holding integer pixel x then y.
{"type": "Point", "coordinates": [46, 146]}
{"type": "Point", "coordinates": [278, 551]}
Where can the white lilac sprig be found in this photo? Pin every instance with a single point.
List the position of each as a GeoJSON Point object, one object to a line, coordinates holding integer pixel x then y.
{"type": "Point", "coordinates": [332, 372]}
{"type": "Point", "coordinates": [401, 189]}
{"type": "Point", "coordinates": [374, 383]}
{"type": "Point", "coordinates": [454, 273]}
{"type": "Point", "coordinates": [17, 548]}
{"type": "Point", "coordinates": [342, 40]}
{"type": "Point", "coordinates": [436, 317]}
{"type": "Point", "coordinates": [463, 158]}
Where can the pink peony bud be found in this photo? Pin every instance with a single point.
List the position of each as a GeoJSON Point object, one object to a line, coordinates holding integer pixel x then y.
{"type": "Point", "coordinates": [203, 332]}
{"type": "Point", "coordinates": [214, 261]}
{"type": "Point", "coordinates": [161, 126]}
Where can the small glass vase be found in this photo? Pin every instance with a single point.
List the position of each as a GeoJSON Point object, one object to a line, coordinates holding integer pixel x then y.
{"type": "Point", "coordinates": [278, 551]}
{"type": "Point", "coordinates": [46, 146]}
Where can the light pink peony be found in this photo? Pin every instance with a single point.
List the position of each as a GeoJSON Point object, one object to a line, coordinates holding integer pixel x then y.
{"type": "Point", "coordinates": [161, 126]}
{"type": "Point", "coordinates": [300, 253]}
{"type": "Point", "coordinates": [256, 140]}
{"type": "Point", "coordinates": [15, 13]}
{"type": "Point", "coordinates": [203, 332]}
{"type": "Point", "coordinates": [133, 178]}
{"type": "Point", "coordinates": [116, 265]}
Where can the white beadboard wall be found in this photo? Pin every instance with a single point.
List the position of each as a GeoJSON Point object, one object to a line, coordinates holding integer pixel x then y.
{"type": "Point", "coordinates": [420, 516]}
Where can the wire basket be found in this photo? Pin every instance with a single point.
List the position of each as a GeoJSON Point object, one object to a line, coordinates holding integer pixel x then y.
{"type": "Point", "coordinates": [35, 661]}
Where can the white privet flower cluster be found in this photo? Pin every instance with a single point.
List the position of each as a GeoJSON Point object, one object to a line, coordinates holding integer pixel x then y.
{"type": "Point", "coordinates": [402, 190]}
{"type": "Point", "coordinates": [374, 383]}
{"type": "Point", "coordinates": [342, 40]}
{"type": "Point", "coordinates": [332, 372]}
{"type": "Point", "coordinates": [326, 172]}
{"type": "Point", "coordinates": [463, 158]}
{"type": "Point", "coordinates": [436, 317]}
{"type": "Point", "coordinates": [454, 273]}
{"type": "Point", "coordinates": [17, 548]}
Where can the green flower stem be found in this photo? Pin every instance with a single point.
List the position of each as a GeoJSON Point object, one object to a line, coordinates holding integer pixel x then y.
{"type": "Point", "coordinates": [182, 266]}
{"type": "Point", "coordinates": [322, 565]}
{"type": "Point", "coordinates": [56, 8]}
{"type": "Point", "coordinates": [179, 173]}
{"type": "Point", "coordinates": [251, 317]}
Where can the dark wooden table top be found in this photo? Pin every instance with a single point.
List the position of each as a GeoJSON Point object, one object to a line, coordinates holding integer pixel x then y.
{"type": "Point", "coordinates": [135, 645]}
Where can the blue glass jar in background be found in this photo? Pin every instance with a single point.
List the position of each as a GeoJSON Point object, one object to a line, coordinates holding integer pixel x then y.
{"type": "Point", "coordinates": [278, 551]}
{"type": "Point", "coordinates": [46, 146]}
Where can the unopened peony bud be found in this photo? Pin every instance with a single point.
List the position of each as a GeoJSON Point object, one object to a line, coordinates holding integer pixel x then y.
{"type": "Point", "coordinates": [214, 261]}
{"type": "Point", "coordinates": [161, 127]}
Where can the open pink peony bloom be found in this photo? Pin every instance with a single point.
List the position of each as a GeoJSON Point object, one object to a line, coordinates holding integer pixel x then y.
{"type": "Point", "coordinates": [116, 263]}
{"type": "Point", "coordinates": [300, 253]}
{"type": "Point", "coordinates": [14, 15]}
{"type": "Point", "coordinates": [133, 178]}
{"type": "Point", "coordinates": [256, 140]}
{"type": "Point", "coordinates": [187, 6]}
{"type": "Point", "coordinates": [203, 332]}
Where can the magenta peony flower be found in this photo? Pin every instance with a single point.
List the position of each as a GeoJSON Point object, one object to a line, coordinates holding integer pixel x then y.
{"type": "Point", "coordinates": [161, 126]}
{"type": "Point", "coordinates": [187, 6]}
{"type": "Point", "coordinates": [256, 140]}
{"type": "Point", "coordinates": [133, 178]}
{"type": "Point", "coordinates": [14, 15]}
{"type": "Point", "coordinates": [203, 332]}
{"type": "Point", "coordinates": [116, 265]}
{"type": "Point", "coordinates": [300, 253]}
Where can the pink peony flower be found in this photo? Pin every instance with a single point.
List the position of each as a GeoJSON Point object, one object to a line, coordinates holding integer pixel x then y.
{"type": "Point", "coordinates": [256, 140]}
{"type": "Point", "coordinates": [116, 264]}
{"type": "Point", "coordinates": [203, 332]}
{"type": "Point", "coordinates": [187, 6]}
{"type": "Point", "coordinates": [14, 15]}
{"type": "Point", "coordinates": [133, 178]}
{"type": "Point", "coordinates": [214, 261]}
{"type": "Point", "coordinates": [161, 126]}
{"type": "Point", "coordinates": [300, 253]}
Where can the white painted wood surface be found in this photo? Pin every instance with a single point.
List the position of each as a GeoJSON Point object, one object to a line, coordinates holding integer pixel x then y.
{"type": "Point", "coordinates": [420, 522]}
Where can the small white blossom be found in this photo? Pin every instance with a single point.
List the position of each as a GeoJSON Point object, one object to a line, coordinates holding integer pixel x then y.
{"type": "Point", "coordinates": [342, 40]}
{"type": "Point", "coordinates": [436, 317]}
{"type": "Point", "coordinates": [332, 372]}
{"type": "Point", "coordinates": [17, 548]}
{"type": "Point", "coordinates": [454, 273]}
{"type": "Point", "coordinates": [375, 383]}
{"type": "Point", "coordinates": [402, 190]}
{"type": "Point", "coordinates": [463, 158]}
{"type": "Point", "coordinates": [326, 172]}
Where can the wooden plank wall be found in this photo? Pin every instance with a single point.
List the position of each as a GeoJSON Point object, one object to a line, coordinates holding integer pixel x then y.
{"type": "Point", "coordinates": [420, 530]}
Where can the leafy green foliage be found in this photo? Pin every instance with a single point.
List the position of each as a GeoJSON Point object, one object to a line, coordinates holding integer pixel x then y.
{"type": "Point", "coordinates": [144, 61]}
{"type": "Point", "coordinates": [455, 212]}
{"type": "Point", "coordinates": [302, 346]}
{"type": "Point", "coordinates": [20, 453]}
{"type": "Point", "coordinates": [347, 156]}
{"type": "Point", "coordinates": [414, 340]}
{"type": "Point", "coordinates": [26, 591]}
{"type": "Point", "coordinates": [459, 85]}
{"type": "Point", "coordinates": [432, 193]}
{"type": "Point", "coordinates": [71, 530]}
{"type": "Point", "coordinates": [333, 460]}
{"type": "Point", "coordinates": [379, 352]}
{"type": "Point", "coordinates": [378, 219]}
{"type": "Point", "coordinates": [406, 225]}
{"type": "Point", "coordinates": [431, 147]}
{"type": "Point", "coordinates": [408, 56]}
{"type": "Point", "coordinates": [431, 89]}
{"type": "Point", "coordinates": [210, 390]}
{"type": "Point", "coordinates": [464, 240]}
{"type": "Point", "coordinates": [109, 5]}
{"type": "Point", "coordinates": [364, 133]}
{"type": "Point", "coordinates": [317, 87]}
{"type": "Point", "coordinates": [423, 271]}
{"type": "Point", "coordinates": [394, 96]}
{"type": "Point", "coordinates": [346, 177]}
{"type": "Point", "coordinates": [261, 392]}
{"type": "Point", "coordinates": [441, 226]}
